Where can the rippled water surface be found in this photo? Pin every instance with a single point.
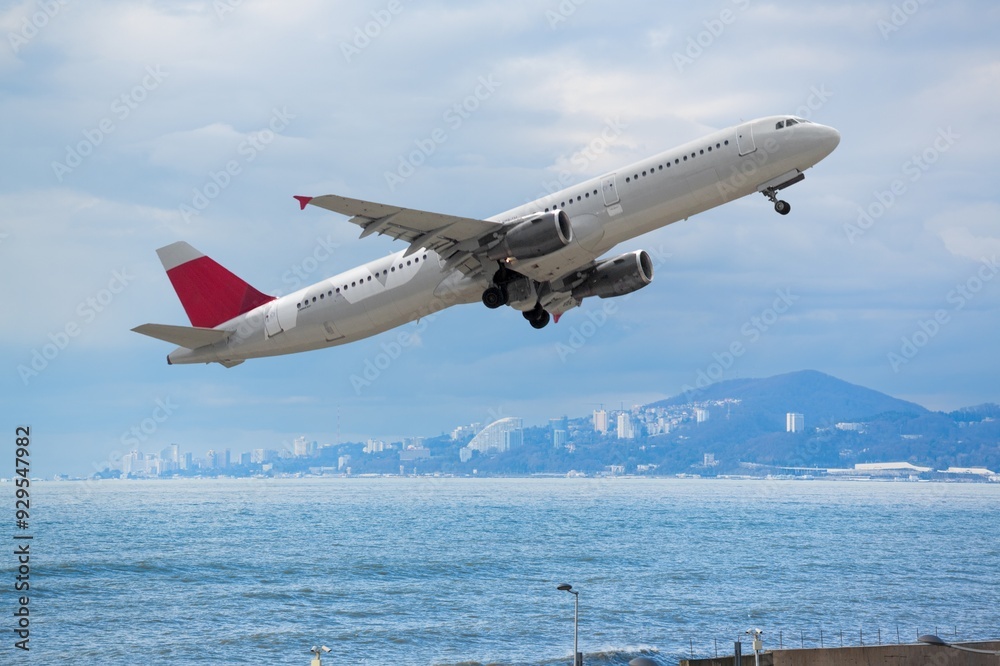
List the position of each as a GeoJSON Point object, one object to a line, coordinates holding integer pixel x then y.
{"type": "Point", "coordinates": [464, 571]}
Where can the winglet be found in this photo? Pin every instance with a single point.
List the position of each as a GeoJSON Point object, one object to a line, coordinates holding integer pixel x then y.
{"type": "Point", "coordinates": [303, 201]}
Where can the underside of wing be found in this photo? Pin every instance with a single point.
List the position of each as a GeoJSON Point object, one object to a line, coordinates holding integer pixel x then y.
{"type": "Point", "coordinates": [454, 238]}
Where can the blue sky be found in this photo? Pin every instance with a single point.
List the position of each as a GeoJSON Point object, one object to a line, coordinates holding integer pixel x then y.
{"type": "Point", "coordinates": [131, 125]}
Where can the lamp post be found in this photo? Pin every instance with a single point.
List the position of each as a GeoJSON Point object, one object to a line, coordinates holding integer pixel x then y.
{"type": "Point", "coordinates": [577, 657]}
{"type": "Point", "coordinates": [931, 639]}
{"type": "Point", "coordinates": [317, 652]}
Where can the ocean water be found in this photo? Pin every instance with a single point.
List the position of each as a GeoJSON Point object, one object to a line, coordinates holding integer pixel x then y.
{"type": "Point", "coordinates": [464, 571]}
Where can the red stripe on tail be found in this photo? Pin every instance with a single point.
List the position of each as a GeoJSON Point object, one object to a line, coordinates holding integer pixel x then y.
{"type": "Point", "coordinates": [209, 292]}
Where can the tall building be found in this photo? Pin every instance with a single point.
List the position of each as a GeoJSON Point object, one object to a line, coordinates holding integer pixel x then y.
{"type": "Point", "coordinates": [374, 446]}
{"type": "Point", "coordinates": [700, 415]}
{"type": "Point", "coordinates": [502, 435]}
{"type": "Point", "coordinates": [626, 429]}
{"type": "Point", "coordinates": [794, 422]}
{"type": "Point", "coordinates": [601, 421]}
{"type": "Point", "coordinates": [559, 438]}
{"type": "Point", "coordinates": [133, 462]}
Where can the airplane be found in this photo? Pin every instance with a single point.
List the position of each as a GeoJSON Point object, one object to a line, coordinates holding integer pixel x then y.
{"type": "Point", "coordinates": [542, 258]}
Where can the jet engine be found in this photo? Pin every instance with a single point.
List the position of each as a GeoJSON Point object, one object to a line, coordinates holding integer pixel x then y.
{"type": "Point", "coordinates": [534, 236]}
{"type": "Point", "coordinates": [616, 277]}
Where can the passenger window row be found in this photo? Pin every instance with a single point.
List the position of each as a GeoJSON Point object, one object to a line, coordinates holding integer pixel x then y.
{"type": "Point", "coordinates": [354, 283]}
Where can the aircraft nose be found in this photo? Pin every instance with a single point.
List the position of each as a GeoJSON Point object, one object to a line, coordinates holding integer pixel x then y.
{"type": "Point", "coordinates": [831, 139]}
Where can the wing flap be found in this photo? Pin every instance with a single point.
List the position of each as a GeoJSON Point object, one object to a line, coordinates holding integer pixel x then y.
{"type": "Point", "coordinates": [190, 337]}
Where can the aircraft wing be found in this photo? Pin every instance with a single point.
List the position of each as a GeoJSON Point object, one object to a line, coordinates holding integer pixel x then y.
{"type": "Point", "coordinates": [454, 238]}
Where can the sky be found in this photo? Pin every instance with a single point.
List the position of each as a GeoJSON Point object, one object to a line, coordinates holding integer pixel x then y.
{"type": "Point", "coordinates": [131, 125]}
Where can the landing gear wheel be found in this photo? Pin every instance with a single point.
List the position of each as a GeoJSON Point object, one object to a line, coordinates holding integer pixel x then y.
{"type": "Point", "coordinates": [494, 297]}
{"type": "Point", "coordinates": [780, 206]}
{"type": "Point", "coordinates": [537, 317]}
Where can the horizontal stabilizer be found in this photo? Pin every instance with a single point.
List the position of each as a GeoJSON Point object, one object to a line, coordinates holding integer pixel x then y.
{"type": "Point", "coordinates": [183, 336]}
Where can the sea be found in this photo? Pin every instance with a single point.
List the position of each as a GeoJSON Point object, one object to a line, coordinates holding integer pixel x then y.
{"type": "Point", "coordinates": [464, 571]}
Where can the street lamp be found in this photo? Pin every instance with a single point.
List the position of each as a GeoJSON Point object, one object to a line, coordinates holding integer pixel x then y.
{"type": "Point", "coordinates": [931, 639]}
{"type": "Point", "coordinates": [577, 657]}
{"type": "Point", "coordinates": [317, 652]}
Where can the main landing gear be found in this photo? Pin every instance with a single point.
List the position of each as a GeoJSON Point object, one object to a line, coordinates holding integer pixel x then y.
{"type": "Point", "coordinates": [780, 206]}
{"type": "Point", "coordinates": [537, 316]}
{"type": "Point", "coordinates": [495, 296]}
{"type": "Point", "coordinates": [498, 294]}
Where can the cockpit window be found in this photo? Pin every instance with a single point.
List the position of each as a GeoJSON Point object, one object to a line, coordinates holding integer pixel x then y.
{"type": "Point", "coordinates": [780, 124]}
{"type": "Point", "coordinates": [790, 122]}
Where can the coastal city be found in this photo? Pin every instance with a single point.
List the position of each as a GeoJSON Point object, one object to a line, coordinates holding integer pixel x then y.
{"type": "Point", "coordinates": [735, 433]}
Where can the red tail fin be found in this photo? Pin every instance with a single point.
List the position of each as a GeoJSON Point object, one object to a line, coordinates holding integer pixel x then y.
{"type": "Point", "coordinates": [209, 293]}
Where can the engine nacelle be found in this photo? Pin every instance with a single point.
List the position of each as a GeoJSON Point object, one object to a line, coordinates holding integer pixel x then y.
{"type": "Point", "coordinates": [618, 276]}
{"type": "Point", "coordinates": [534, 236]}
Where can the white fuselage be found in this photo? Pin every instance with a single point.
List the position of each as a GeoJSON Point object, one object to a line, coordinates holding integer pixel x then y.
{"type": "Point", "coordinates": [604, 211]}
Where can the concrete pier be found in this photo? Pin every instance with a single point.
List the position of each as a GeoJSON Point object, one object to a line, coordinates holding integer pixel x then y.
{"type": "Point", "coordinates": [915, 654]}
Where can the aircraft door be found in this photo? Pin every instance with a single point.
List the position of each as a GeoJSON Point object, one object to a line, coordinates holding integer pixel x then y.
{"type": "Point", "coordinates": [609, 190]}
{"type": "Point", "coordinates": [744, 139]}
{"type": "Point", "coordinates": [271, 324]}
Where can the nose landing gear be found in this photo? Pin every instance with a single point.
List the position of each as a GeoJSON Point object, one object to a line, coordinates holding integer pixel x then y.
{"type": "Point", "coordinates": [780, 206]}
